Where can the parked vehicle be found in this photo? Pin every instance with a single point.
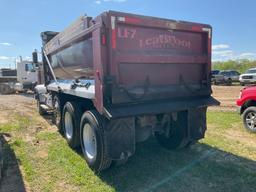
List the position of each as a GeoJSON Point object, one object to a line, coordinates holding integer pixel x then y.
{"type": "Point", "coordinates": [213, 73]}
{"type": "Point", "coordinates": [249, 77]}
{"type": "Point", "coordinates": [226, 77]}
{"type": "Point", "coordinates": [247, 107]}
{"type": "Point", "coordinates": [23, 78]}
{"type": "Point", "coordinates": [117, 79]}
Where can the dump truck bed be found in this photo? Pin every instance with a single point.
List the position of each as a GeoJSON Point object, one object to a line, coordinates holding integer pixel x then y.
{"type": "Point", "coordinates": [134, 59]}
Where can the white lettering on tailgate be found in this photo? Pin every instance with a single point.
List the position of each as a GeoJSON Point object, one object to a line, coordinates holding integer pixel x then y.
{"type": "Point", "coordinates": [164, 41]}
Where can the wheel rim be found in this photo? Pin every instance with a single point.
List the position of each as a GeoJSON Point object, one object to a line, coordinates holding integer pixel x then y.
{"type": "Point", "coordinates": [89, 141]}
{"type": "Point", "coordinates": [57, 112]}
{"type": "Point", "coordinates": [68, 126]}
{"type": "Point", "coordinates": [251, 120]}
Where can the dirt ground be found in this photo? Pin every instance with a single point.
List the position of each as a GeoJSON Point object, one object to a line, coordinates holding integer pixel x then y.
{"type": "Point", "coordinates": [25, 104]}
{"type": "Point", "coordinates": [227, 96]}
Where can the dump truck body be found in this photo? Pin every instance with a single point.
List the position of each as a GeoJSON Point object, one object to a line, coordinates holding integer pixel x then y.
{"type": "Point", "coordinates": [138, 73]}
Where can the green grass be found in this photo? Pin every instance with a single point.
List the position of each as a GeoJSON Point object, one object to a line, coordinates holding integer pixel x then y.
{"type": "Point", "coordinates": [224, 161]}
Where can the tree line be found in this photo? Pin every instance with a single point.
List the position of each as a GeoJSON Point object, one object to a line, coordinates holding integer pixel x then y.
{"type": "Point", "coordinates": [241, 65]}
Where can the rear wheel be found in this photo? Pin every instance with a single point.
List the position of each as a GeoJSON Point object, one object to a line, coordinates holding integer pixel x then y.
{"type": "Point", "coordinates": [70, 123]}
{"type": "Point", "coordinates": [249, 119]}
{"type": "Point", "coordinates": [56, 118]}
{"type": "Point", "coordinates": [92, 141]}
{"type": "Point", "coordinates": [174, 136]}
{"type": "Point", "coordinates": [40, 109]}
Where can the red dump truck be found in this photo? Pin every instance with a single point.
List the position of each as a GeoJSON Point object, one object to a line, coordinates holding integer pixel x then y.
{"type": "Point", "coordinates": [119, 78]}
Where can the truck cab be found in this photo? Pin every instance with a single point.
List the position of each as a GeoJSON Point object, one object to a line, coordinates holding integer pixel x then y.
{"type": "Point", "coordinates": [27, 74]}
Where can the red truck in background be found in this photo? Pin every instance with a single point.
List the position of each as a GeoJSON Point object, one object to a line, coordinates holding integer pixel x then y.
{"type": "Point", "coordinates": [117, 79]}
{"type": "Point", "coordinates": [247, 107]}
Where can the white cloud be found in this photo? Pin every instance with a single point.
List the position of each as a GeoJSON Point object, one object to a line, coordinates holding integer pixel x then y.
{"type": "Point", "coordinates": [115, 1]}
{"type": "Point", "coordinates": [250, 56]}
{"type": "Point", "coordinates": [220, 46]}
{"type": "Point", "coordinates": [6, 44]}
{"type": "Point", "coordinates": [4, 58]}
{"type": "Point", "coordinates": [223, 53]}
{"type": "Point", "coordinates": [247, 54]}
{"type": "Point", "coordinates": [231, 55]}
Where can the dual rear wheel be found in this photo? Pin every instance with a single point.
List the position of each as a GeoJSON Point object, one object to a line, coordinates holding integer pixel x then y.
{"type": "Point", "coordinates": [85, 130]}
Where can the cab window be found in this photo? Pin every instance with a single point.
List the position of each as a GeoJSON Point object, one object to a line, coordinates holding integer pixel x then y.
{"type": "Point", "coordinates": [29, 67]}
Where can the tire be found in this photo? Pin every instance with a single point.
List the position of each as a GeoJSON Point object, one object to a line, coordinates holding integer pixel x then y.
{"type": "Point", "coordinates": [249, 119]}
{"type": "Point", "coordinates": [215, 82]}
{"type": "Point", "coordinates": [71, 116]}
{"type": "Point", "coordinates": [57, 116]}
{"type": "Point", "coordinates": [40, 110]}
{"type": "Point", "coordinates": [5, 89]}
{"type": "Point", "coordinates": [177, 137]}
{"type": "Point", "coordinates": [92, 141]}
{"type": "Point", "coordinates": [229, 82]}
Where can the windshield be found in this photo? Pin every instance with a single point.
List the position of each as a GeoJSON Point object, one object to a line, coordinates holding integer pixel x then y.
{"type": "Point", "coordinates": [224, 73]}
{"type": "Point", "coordinates": [29, 67]}
{"type": "Point", "coordinates": [251, 71]}
{"type": "Point", "coordinates": [215, 72]}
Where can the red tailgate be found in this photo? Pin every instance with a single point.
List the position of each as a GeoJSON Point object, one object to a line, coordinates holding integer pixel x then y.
{"type": "Point", "coordinates": [157, 59]}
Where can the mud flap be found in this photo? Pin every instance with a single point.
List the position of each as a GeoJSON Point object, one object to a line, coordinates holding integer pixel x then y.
{"type": "Point", "coordinates": [120, 138]}
{"type": "Point", "coordinates": [197, 123]}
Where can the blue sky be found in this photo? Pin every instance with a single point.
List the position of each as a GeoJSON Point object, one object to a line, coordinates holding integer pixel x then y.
{"type": "Point", "coordinates": [21, 22]}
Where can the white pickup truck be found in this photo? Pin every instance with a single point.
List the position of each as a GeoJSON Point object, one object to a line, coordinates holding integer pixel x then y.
{"type": "Point", "coordinates": [249, 77]}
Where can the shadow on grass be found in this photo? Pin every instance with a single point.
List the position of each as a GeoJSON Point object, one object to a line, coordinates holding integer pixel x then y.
{"type": "Point", "coordinates": [200, 168]}
{"type": "Point", "coordinates": [12, 179]}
